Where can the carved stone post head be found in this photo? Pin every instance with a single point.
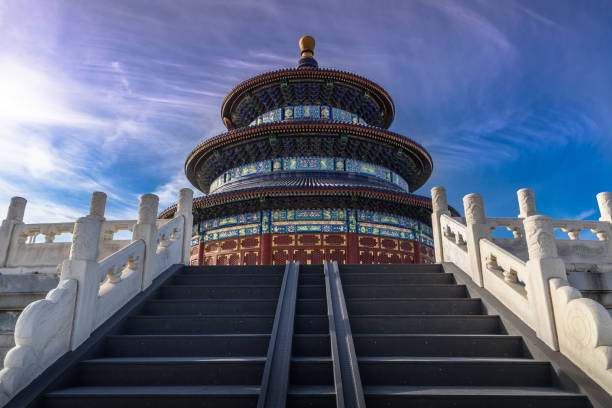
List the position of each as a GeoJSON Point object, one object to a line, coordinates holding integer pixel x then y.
{"type": "Point", "coordinates": [540, 237]}
{"type": "Point", "coordinates": [185, 201]}
{"type": "Point", "coordinates": [526, 203]}
{"type": "Point", "coordinates": [474, 209]}
{"type": "Point", "coordinates": [147, 209]}
{"type": "Point", "coordinates": [604, 200]}
{"type": "Point", "coordinates": [438, 200]}
{"type": "Point", "coordinates": [16, 209]}
{"type": "Point", "coordinates": [85, 238]}
{"type": "Point", "coordinates": [98, 204]}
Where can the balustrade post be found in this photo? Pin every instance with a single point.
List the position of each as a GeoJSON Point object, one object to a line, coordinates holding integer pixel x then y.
{"type": "Point", "coordinates": [146, 229]}
{"type": "Point", "coordinates": [14, 216]}
{"type": "Point", "coordinates": [439, 206]}
{"type": "Point", "coordinates": [476, 229]}
{"type": "Point", "coordinates": [82, 266]}
{"type": "Point", "coordinates": [604, 201]}
{"type": "Point", "coordinates": [185, 208]}
{"type": "Point", "coordinates": [543, 265]}
{"type": "Point", "coordinates": [97, 205]}
{"type": "Point", "coordinates": [526, 203]}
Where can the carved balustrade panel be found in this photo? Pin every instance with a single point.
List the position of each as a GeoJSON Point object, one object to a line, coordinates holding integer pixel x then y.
{"type": "Point", "coordinates": [453, 242]}
{"type": "Point", "coordinates": [120, 276]}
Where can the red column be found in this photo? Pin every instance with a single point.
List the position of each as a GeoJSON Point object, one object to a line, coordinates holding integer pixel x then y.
{"type": "Point", "coordinates": [200, 253]}
{"type": "Point", "coordinates": [266, 249]}
{"type": "Point", "coordinates": [417, 252]}
{"type": "Point", "coordinates": [352, 248]}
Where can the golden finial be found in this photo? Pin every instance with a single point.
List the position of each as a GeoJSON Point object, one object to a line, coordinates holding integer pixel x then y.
{"type": "Point", "coordinates": [307, 45]}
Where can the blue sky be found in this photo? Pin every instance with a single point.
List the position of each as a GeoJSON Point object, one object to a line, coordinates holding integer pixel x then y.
{"type": "Point", "coordinates": [113, 95]}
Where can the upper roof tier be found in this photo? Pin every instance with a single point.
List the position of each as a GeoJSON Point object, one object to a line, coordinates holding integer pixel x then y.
{"type": "Point", "coordinates": [307, 85]}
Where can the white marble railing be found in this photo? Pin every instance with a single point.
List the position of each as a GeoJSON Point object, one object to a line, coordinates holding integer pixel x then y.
{"type": "Point", "coordinates": [573, 228]}
{"type": "Point", "coordinates": [528, 273]}
{"type": "Point", "coordinates": [91, 290]}
{"type": "Point", "coordinates": [35, 247]}
{"type": "Point", "coordinates": [505, 276]}
{"type": "Point", "coordinates": [169, 244]}
{"type": "Point", "coordinates": [515, 225]}
{"type": "Point", "coordinates": [584, 330]}
{"type": "Point", "coordinates": [453, 241]}
{"type": "Point", "coordinates": [120, 275]}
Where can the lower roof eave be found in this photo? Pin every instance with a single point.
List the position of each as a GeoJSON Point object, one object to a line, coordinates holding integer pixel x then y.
{"type": "Point", "coordinates": [219, 205]}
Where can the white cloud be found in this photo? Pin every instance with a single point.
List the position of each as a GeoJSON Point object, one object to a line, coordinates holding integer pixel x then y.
{"type": "Point", "coordinates": [168, 193]}
{"type": "Point", "coordinates": [31, 96]}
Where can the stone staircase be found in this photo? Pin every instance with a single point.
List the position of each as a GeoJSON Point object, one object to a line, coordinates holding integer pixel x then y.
{"type": "Point", "coordinates": [421, 341]}
{"type": "Point", "coordinates": [202, 340]}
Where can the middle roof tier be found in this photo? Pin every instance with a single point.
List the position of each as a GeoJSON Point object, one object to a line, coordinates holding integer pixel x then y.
{"type": "Point", "coordinates": [308, 138]}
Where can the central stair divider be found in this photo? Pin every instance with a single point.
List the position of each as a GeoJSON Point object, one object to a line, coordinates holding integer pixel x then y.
{"type": "Point", "coordinates": [275, 379]}
{"type": "Point", "coordinates": [349, 391]}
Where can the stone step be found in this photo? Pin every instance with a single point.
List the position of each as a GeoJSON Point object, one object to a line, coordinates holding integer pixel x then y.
{"type": "Point", "coordinates": [219, 292]}
{"type": "Point", "coordinates": [262, 307]}
{"type": "Point", "coordinates": [396, 278]}
{"type": "Point", "coordinates": [311, 371]}
{"type": "Point", "coordinates": [312, 324]}
{"type": "Point", "coordinates": [198, 324]}
{"type": "Point", "coordinates": [19, 300]}
{"type": "Point", "coordinates": [186, 345]}
{"type": "Point", "coordinates": [7, 339]}
{"type": "Point", "coordinates": [438, 345]}
{"type": "Point", "coordinates": [321, 396]}
{"type": "Point", "coordinates": [311, 307]}
{"type": "Point", "coordinates": [454, 371]}
{"type": "Point", "coordinates": [430, 324]}
{"type": "Point", "coordinates": [232, 396]}
{"type": "Point", "coordinates": [165, 371]}
{"type": "Point", "coordinates": [405, 291]}
{"type": "Point", "coordinates": [421, 306]}
{"type": "Point", "coordinates": [192, 279]}
{"type": "Point", "coordinates": [393, 268]}
{"type": "Point", "coordinates": [471, 397]}
{"type": "Point", "coordinates": [8, 319]}
{"type": "Point", "coordinates": [308, 396]}
{"type": "Point", "coordinates": [311, 291]}
{"type": "Point", "coordinates": [28, 283]}
{"type": "Point", "coordinates": [311, 345]}
{"type": "Point", "coordinates": [3, 352]}
{"type": "Point", "coordinates": [235, 269]}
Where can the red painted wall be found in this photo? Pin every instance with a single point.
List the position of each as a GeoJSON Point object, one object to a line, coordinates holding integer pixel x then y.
{"type": "Point", "coordinates": [310, 248]}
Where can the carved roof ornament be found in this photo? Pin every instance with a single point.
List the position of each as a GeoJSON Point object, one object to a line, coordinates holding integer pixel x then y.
{"type": "Point", "coordinates": [307, 45]}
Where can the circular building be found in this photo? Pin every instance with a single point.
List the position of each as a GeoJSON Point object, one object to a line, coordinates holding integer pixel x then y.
{"type": "Point", "coordinates": [308, 172]}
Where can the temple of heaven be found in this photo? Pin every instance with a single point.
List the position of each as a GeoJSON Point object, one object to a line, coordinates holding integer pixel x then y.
{"type": "Point", "coordinates": [308, 172]}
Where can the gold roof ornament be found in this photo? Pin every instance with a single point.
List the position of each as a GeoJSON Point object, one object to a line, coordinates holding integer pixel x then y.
{"type": "Point", "coordinates": [307, 45]}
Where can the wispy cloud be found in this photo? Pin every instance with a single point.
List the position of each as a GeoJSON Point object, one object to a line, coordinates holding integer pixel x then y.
{"type": "Point", "coordinates": [536, 16]}
{"type": "Point", "coordinates": [471, 20]}
{"type": "Point", "coordinates": [168, 192]}
{"type": "Point", "coordinates": [583, 215]}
